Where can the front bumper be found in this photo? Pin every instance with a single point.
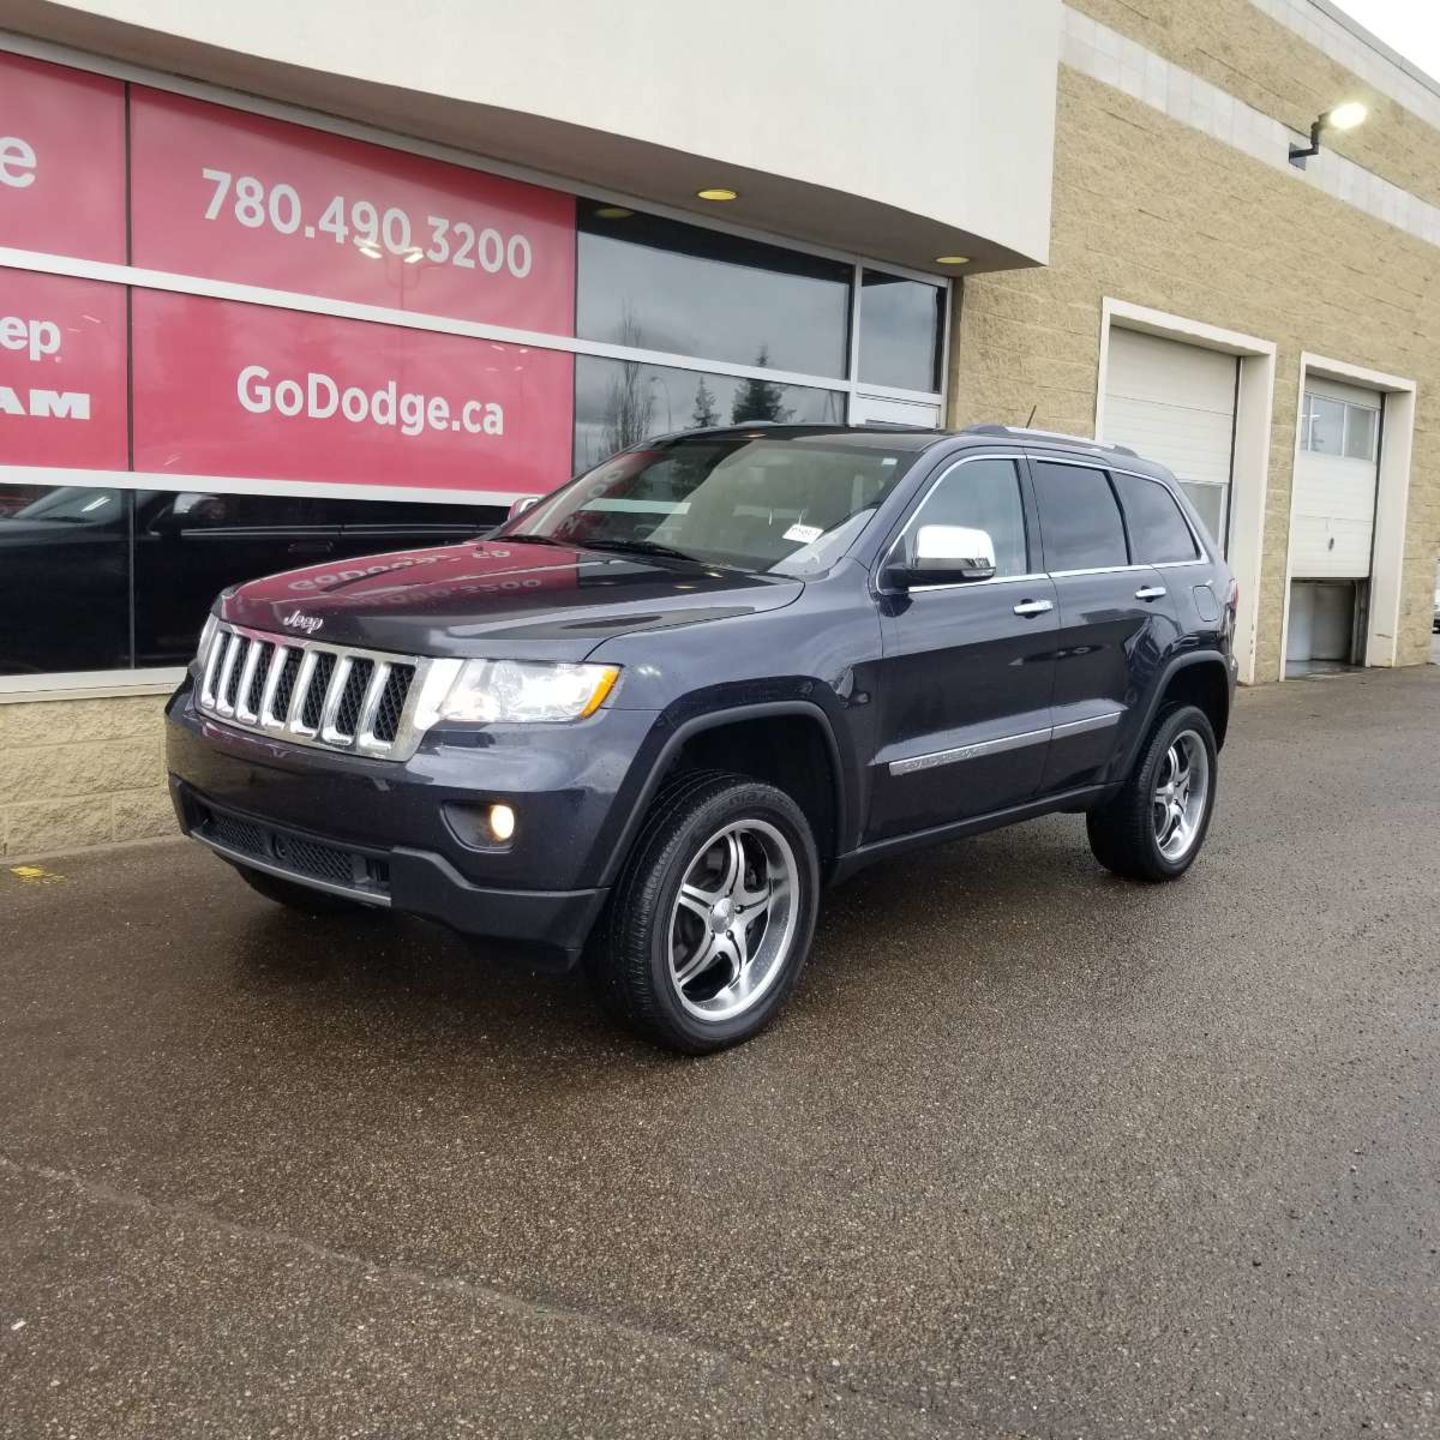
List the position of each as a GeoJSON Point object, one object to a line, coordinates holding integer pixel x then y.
{"type": "Point", "coordinates": [555, 923]}
{"type": "Point", "coordinates": [405, 834]}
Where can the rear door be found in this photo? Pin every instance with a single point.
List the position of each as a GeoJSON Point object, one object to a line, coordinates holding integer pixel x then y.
{"type": "Point", "coordinates": [965, 678]}
{"type": "Point", "coordinates": [1114, 620]}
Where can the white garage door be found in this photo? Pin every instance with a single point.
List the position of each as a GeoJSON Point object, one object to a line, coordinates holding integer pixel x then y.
{"type": "Point", "coordinates": [1175, 403]}
{"type": "Point", "coordinates": [1335, 475]}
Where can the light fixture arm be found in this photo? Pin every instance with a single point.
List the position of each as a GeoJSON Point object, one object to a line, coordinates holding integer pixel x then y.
{"type": "Point", "coordinates": [1300, 153]}
{"type": "Point", "coordinates": [1341, 117]}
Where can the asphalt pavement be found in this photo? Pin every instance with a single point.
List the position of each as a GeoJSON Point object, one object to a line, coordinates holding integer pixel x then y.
{"type": "Point", "coordinates": [1033, 1152]}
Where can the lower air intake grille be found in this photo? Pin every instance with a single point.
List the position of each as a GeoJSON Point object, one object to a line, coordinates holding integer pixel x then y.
{"type": "Point", "coordinates": [299, 855]}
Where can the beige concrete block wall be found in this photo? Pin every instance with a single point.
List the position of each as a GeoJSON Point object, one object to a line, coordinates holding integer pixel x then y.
{"type": "Point", "coordinates": [81, 772]}
{"type": "Point", "coordinates": [1149, 211]}
{"type": "Point", "coordinates": [1264, 63]}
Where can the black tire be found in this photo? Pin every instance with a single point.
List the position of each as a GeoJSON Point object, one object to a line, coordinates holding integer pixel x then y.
{"type": "Point", "coordinates": [1123, 832]}
{"type": "Point", "coordinates": [630, 958]}
{"type": "Point", "coordinates": [301, 898]}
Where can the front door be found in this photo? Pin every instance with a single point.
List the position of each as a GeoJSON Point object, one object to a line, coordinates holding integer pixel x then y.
{"type": "Point", "coordinates": [967, 669]}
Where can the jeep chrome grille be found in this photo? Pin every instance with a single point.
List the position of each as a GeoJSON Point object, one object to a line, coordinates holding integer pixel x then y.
{"type": "Point", "coordinates": [336, 697]}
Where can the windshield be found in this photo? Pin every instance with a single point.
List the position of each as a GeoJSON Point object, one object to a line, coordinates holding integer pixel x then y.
{"type": "Point", "coordinates": [786, 507]}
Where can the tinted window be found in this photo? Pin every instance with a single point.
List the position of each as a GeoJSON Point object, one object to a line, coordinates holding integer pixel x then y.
{"type": "Point", "coordinates": [1158, 532]}
{"type": "Point", "coordinates": [619, 403]}
{"type": "Point", "coordinates": [64, 579]}
{"type": "Point", "coordinates": [982, 495]}
{"type": "Point", "coordinates": [1078, 518]}
{"type": "Point", "coordinates": [900, 327]}
{"type": "Point", "coordinates": [658, 284]}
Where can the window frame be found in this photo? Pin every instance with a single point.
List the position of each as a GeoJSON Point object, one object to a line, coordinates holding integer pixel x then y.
{"type": "Point", "coordinates": [916, 505]}
{"type": "Point", "coordinates": [1105, 471]}
{"type": "Point", "coordinates": [1197, 549]}
{"type": "Point", "coordinates": [1033, 457]}
{"type": "Point", "coordinates": [1348, 408]}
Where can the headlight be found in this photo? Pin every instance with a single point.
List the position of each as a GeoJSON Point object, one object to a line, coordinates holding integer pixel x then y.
{"type": "Point", "coordinates": [207, 634]}
{"type": "Point", "coordinates": [506, 691]}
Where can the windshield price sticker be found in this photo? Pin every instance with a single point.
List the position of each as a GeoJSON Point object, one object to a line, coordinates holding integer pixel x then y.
{"type": "Point", "coordinates": [230, 195]}
{"type": "Point", "coordinates": [62, 372]}
{"type": "Point", "coordinates": [62, 160]}
{"type": "Point", "coordinates": [293, 396]}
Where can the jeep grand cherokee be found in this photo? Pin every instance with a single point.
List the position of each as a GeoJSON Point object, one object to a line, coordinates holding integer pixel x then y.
{"type": "Point", "coordinates": [644, 723]}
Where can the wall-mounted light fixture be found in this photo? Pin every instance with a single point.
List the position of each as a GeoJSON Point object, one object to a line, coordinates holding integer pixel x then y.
{"type": "Point", "coordinates": [1342, 117]}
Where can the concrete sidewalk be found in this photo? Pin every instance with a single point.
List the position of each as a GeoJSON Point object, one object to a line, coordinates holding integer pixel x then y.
{"type": "Point", "coordinates": [1033, 1152]}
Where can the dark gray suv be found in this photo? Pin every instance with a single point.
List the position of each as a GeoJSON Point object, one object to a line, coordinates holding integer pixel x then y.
{"type": "Point", "coordinates": [648, 719]}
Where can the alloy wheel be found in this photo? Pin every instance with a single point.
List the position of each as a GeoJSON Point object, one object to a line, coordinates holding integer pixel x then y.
{"type": "Point", "coordinates": [1182, 792]}
{"type": "Point", "coordinates": [734, 920]}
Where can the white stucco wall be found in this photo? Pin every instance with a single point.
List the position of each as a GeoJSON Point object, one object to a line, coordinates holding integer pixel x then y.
{"type": "Point", "coordinates": [939, 110]}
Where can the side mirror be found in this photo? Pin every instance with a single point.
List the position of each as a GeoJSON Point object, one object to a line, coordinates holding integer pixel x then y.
{"type": "Point", "coordinates": [520, 506]}
{"type": "Point", "coordinates": [949, 554]}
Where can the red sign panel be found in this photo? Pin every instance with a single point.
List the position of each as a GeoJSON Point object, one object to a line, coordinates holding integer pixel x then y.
{"type": "Point", "coordinates": [223, 388]}
{"type": "Point", "coordinates": [62, 372]}
{"type": "Point", "coordinates": [234, 196]}
{"type": "Point", "coordinates": [62, 160]}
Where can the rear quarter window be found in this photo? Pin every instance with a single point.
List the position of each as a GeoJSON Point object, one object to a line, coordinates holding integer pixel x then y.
{"type": "Point", "coordinates": [1159, 534]}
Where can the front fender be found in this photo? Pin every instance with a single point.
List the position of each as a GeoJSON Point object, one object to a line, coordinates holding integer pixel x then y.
{"type": "Point", "coordinates": [681, 724]}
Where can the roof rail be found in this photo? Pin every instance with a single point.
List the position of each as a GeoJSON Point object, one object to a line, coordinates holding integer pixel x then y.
{"type": "Point", "coordinates": [1025, 431]}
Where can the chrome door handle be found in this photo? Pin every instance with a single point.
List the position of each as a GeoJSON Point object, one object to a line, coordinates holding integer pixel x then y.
{"type": "Point", "coordinates": [1033, 607]}
{"type": "Point", "coordinates": [1149, 592]}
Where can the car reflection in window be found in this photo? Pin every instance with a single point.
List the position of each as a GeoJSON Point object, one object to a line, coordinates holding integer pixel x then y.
{"type": "Point", "coordinates": [101, 578]}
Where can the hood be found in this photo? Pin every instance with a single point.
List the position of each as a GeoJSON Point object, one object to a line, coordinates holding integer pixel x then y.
{"type": "Point", "coordinates": [499, 598]}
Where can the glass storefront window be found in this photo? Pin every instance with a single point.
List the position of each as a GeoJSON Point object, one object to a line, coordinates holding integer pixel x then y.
{"type": "Point", "coordinates": [657, 284]}
{"type": "Point", "coordinates": [183, 389]}
{"type": "Point", "coordinates": [619, 403]}
{"type": "Point", "coordinates": [901, 322]}
{"type": "Point", "coordinates": [103, 578]}
{"type": "Point", "coordinates": [64, 579]}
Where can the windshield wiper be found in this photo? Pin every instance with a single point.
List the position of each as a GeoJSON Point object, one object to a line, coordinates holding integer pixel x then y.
{"type": "Point", "coordinates": [640, 547]}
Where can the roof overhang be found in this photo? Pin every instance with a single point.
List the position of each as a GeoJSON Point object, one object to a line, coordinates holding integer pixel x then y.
{"type": "Point", "coordinates": [902, 134]}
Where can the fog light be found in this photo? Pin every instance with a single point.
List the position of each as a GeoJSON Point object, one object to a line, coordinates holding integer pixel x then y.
{"type": "Point", "coordinates": [502, 822]}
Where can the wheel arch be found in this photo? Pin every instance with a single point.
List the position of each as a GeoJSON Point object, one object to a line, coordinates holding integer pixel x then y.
{"type": "Point", "coordinates": [1199, 679]}
{"type": "Point", "coordinates": [749, 739]}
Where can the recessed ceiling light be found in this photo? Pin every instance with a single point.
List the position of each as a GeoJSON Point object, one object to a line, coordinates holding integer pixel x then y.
{"type": "Point", "coordinates": [952, 259]}
{"type": "Point", "coordinates": [613, 212]}
{"type": "Point", "coordinates": [717, 192]}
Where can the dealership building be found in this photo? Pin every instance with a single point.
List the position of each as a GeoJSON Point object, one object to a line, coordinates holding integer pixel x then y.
{"type": "Point", "coordinates": [285, 284]}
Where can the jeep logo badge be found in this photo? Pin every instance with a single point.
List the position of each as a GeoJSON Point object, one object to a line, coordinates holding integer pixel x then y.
{"type": "Point", "coordinates": [297, 620]}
